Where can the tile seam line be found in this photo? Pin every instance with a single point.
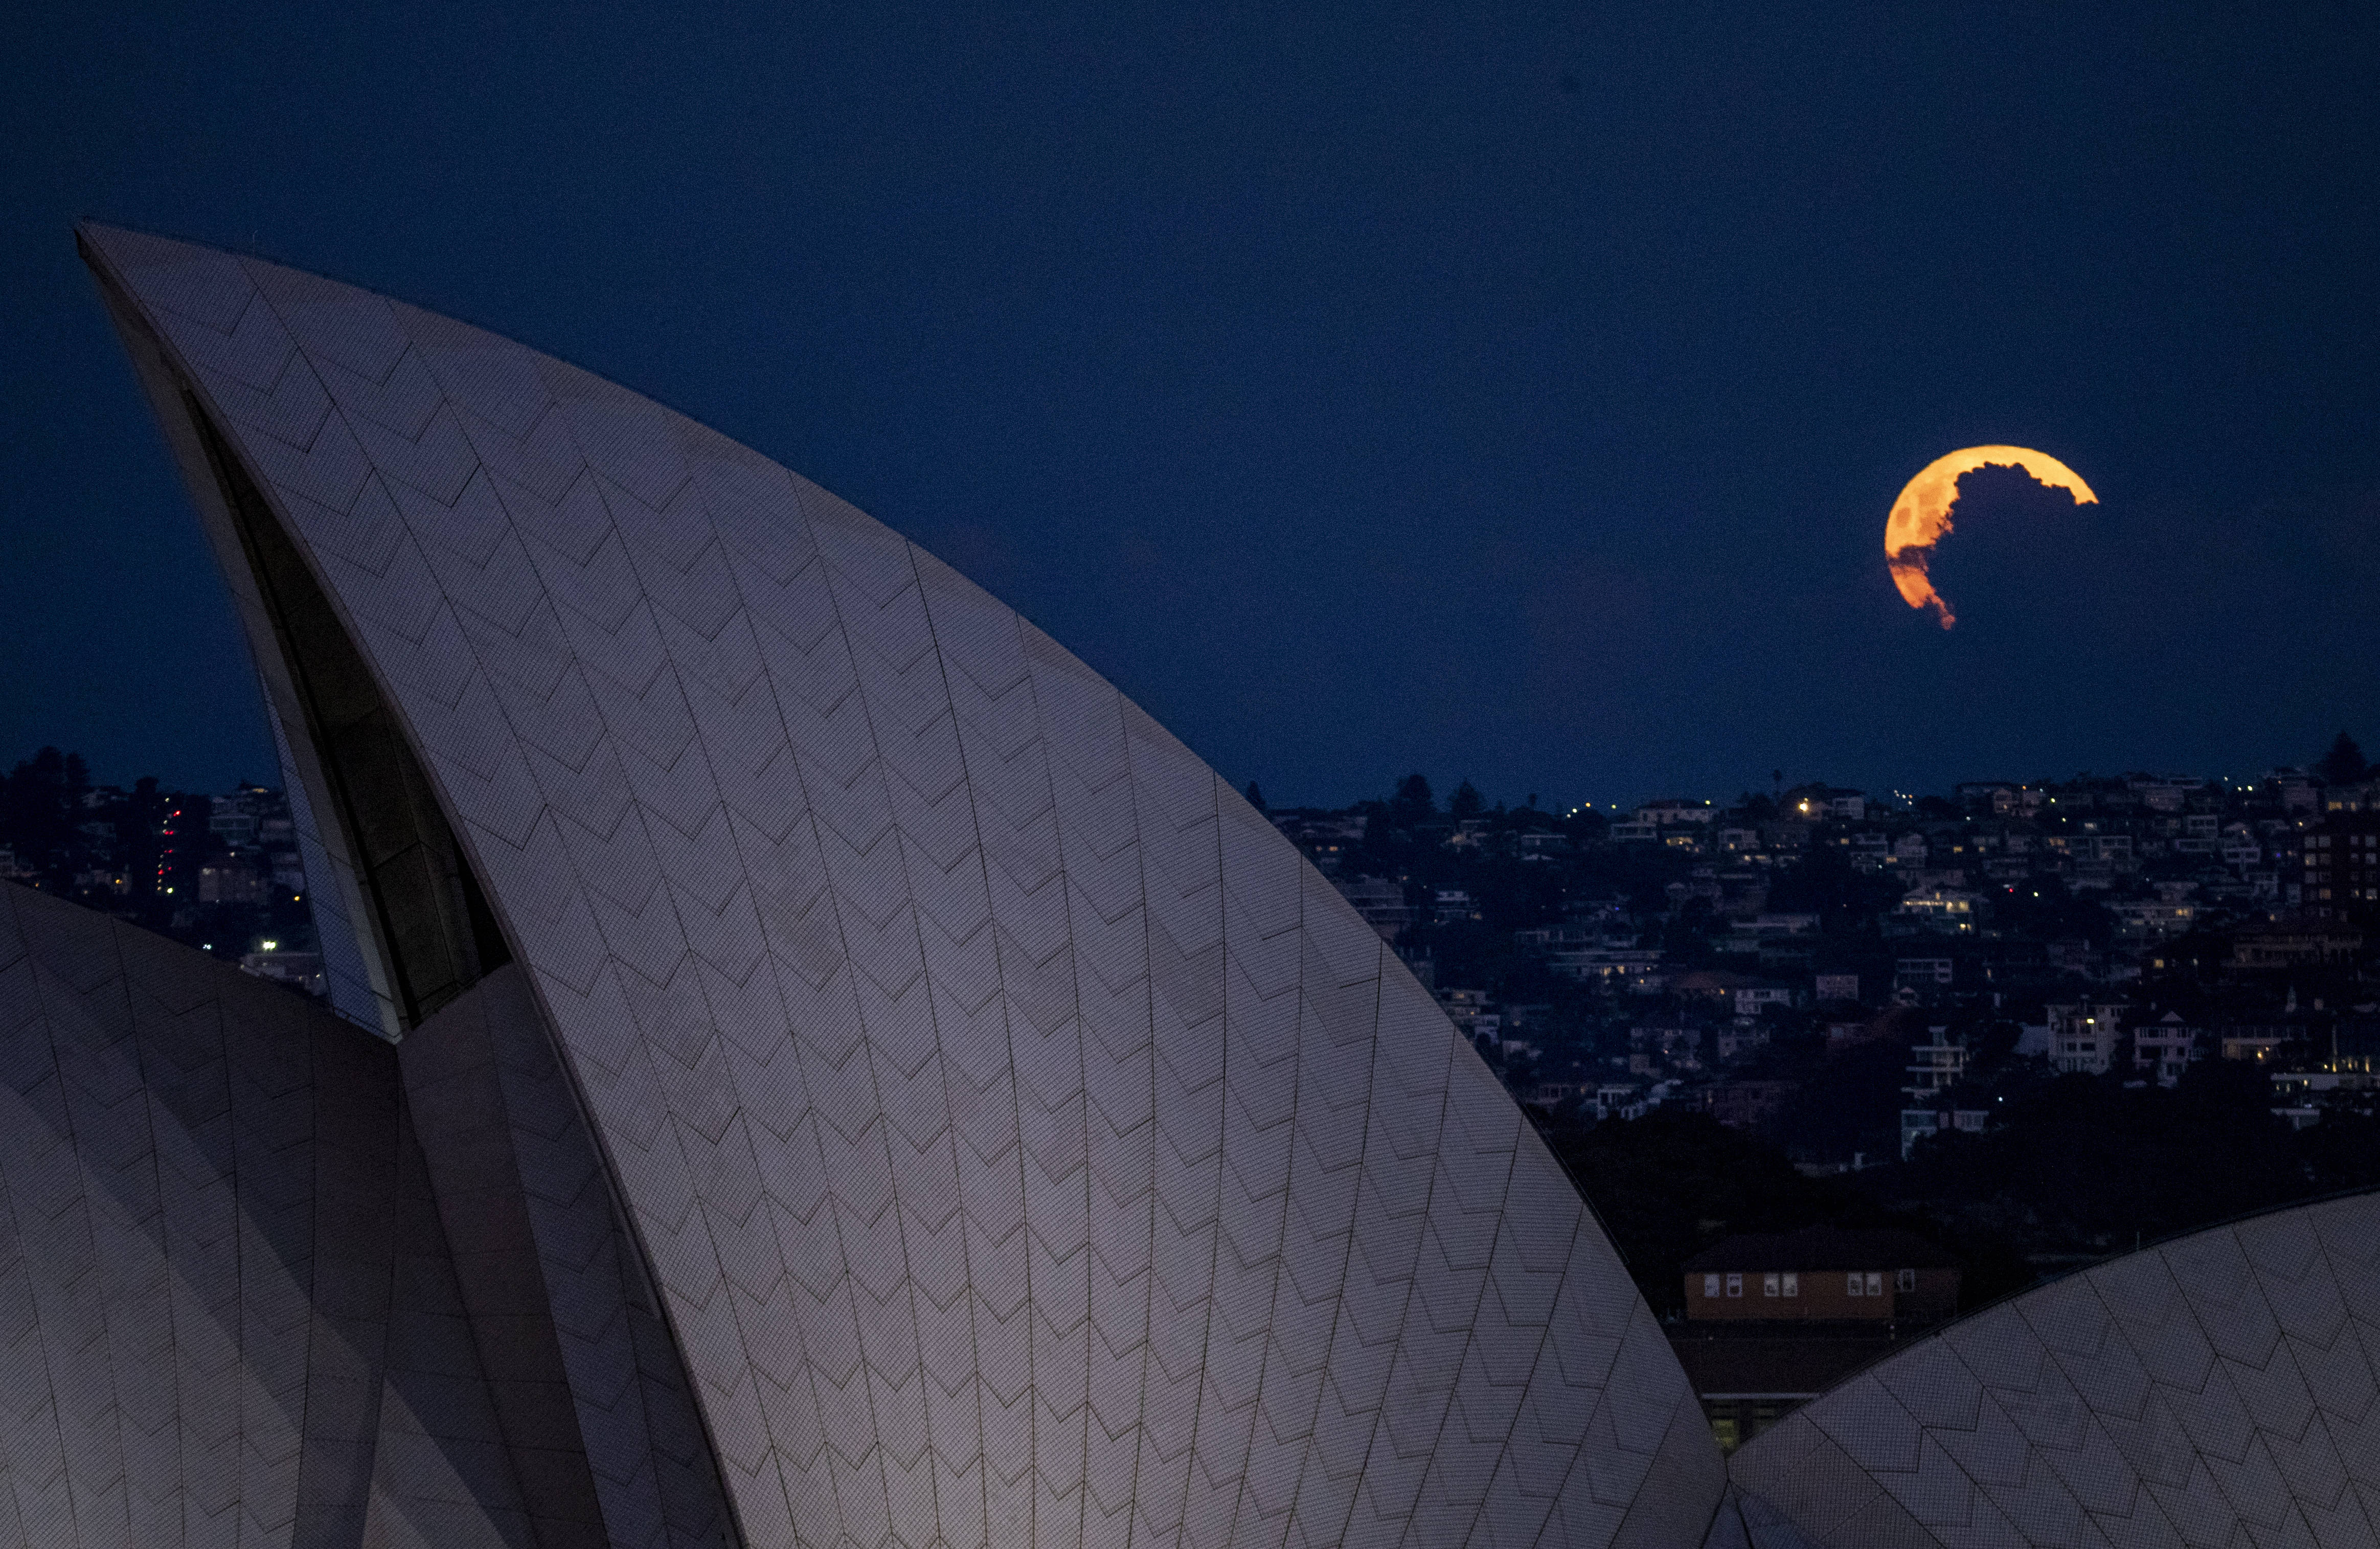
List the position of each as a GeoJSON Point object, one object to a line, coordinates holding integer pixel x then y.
{"type": "Point", "coordinates": [1603, 1391]}
{"type": "Point", "coordinates": [550, 1028]}
{"type": "Point", "coordinates": [2284, 1346]}
{"type": "Point", "coordinates": [1523, 1133]}
{"type": "Point", "coordinates": [1924, 1433]}
{"type": "Point", "coordinates": [1288, 1185]}
{"type": "Point", "coordinates": [391, 698]}
{"type": "Point", "coordinates": [999, 979]}
{"type": "Point", "coordinates": [1015, 627]}
{"type": "Point", "coordinates": [2215, 1360]}
{"type": "Point", "coordinates": [173, 1307]}
{"type": "Point", "coordinates": [851, 968]}
{"type": "Point", "coordinates": [1223, 1028]}
{"type": "Point", "coordinates": [57, 1073]}
{"type": "Point", "coordinates": [1346, 1256]}
{"type": "Point", "coordinates": [884, 776]}
{"type": "Point", "coordinates": [1148, 926]}
{"type": "Point", "coordinates": [635, 804]}
{"type": "Point", "coordinates": [2365, 1503]}
{"type": "Point", "coordinates": [1413, 1280]}
{"type": "Point", "coordinates": [114, 929]}
{"type": "Point", "coordinates": [1486, 1279]}
{"type": "Point", "coordinates": [2142, 1490]}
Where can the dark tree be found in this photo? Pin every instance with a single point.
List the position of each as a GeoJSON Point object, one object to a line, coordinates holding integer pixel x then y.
{"type": "Point", "coordinates": [1466, 802]}
{"type": "Point", "coordinates": [1672, 1183]}
{"type": "Point", "coordinates": [1413, 802]}
{"type": "Point", "coordinates": [2079, 1163]}
{"type": "Point", "coordinates": [1255, 793]}
{"type": "Point", "coordinates": [1826, 884]}
{"type": "Point", "coordinates": [40, 804]}
{"type": "Point", "coordinates": [2343, 764]}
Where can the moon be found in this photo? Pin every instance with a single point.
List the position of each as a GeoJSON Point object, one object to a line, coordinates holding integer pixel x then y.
{"type": "Point", "coordinates": [1921, 517]}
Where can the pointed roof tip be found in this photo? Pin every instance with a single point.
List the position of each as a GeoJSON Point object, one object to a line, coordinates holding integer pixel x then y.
{"type": "Point", "coordinates": [103, 247]}
{"type": "Point", "coordinates": [124, 245]}
{"type": "Point", "coordinates": [96, 239]}
{"type": "Point", "coordinates": [91, 229]}
{"type": "Point", "coordinates": [87, 235]}
{"type": "Point", "coordinates": [110, 234]}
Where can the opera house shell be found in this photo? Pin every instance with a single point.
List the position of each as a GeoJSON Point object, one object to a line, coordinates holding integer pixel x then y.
{"type": "Point", "coordinates": [809, 1062]}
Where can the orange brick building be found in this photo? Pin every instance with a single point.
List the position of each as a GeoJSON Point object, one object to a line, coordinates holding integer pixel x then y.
{"type": "Point", "coordinates": [1823, 1274]}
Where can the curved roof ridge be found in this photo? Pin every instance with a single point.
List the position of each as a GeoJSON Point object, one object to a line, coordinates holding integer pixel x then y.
{"type": "Point", "coordinates": [1023, 1141]}
{"type": "Point", "coordinates": [2221, 1384]}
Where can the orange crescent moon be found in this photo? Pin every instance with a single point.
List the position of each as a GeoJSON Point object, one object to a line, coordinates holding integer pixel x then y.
{"type": "Point", "coordinates": [1921, 517]}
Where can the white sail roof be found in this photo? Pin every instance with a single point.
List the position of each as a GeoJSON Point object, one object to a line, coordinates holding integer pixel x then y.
{"type": "Point", "coordinates": [1028, 1145]}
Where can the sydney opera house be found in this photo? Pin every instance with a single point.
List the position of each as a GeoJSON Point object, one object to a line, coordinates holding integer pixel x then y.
{"type": "Point", "coordinates": [809, 1062]}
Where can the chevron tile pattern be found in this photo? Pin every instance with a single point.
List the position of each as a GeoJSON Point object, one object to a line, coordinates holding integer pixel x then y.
{"type": "Point", "coordinates": [540, 1256]}
{"type": "Point", "coordinates": [1026, 1144]}
{"type": "Point", "coordinates": [227, 1314]}
{"type": "Point", "coordinates": [2219, 1390]}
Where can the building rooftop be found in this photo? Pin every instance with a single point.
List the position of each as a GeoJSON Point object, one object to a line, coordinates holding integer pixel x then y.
{"type": "Point", "coordinates": [1822, 1248]}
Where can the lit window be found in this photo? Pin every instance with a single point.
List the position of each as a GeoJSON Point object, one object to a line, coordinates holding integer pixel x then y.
{"type": "Point", "coordinates": [1875, 1282]}
{"type": "Point", "coordinates": [1711, 1285]}
{"type": "Point", "coordinates": [1908, 1280]}
{"type": "Point", "coordinates": [1768, 1285]}
{"type": "Point", "coordinates": [1735, 1285]}
{"type": "Point", "coordinates": [1793, 1283]}
{"type": "Point", "coordinates": [1852, 1284]}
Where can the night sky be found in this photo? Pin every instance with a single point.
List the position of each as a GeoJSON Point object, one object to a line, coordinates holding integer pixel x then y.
{"type": "Point", "coordinates": [1487, 390]}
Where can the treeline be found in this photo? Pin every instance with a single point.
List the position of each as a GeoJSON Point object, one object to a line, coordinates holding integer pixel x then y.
{"type": "Point", "coordinates": [2078, 1169]}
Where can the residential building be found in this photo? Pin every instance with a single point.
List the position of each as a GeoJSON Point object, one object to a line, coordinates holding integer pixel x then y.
{"type": "Point", "coordinates": [1751, 999]}
{"type": "Point", "coordinates": [1736, 1040]}
{"type": "Point", "coordinates": [1615, 967]}
{"type": "Point", "coordinates": [1823, 802]}
{"type": "Point", "coordinates": [2297, 941]}
{"type": "Point", "coordinates": [1918, 1124]}
{"type": "Point", "coordinates": [233, 880]}
{"type": "Point", "coordinates": [1749, 1105]}
{"type": "Point", "coordinates": [2083, 1036]}
{"type": "Point", "coordinates": [1923, 973]}
{"type": "Point", "coordinates": [1450, 905]}
{"type": "Point", "coordinates": [1935, 1065]}
{"type": "Point", "coordinates": [2141, 921]}
{"type": "Point", "coordinates": [1381, 902]}
{"type": "Point", "coordinates": [1942, 909]}
{"type": "Point", "coordinates": [2164, 1045]}
{"type": "Point", "coordinates": [2335, 868]}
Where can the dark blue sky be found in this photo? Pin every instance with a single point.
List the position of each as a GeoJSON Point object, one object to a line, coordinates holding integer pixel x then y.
{"type": "Point", "coordinates": [1482, 390]}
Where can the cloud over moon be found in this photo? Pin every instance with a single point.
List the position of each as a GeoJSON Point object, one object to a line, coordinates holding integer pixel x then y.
{"type": "Point", "coordinates": [1921, 517]}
